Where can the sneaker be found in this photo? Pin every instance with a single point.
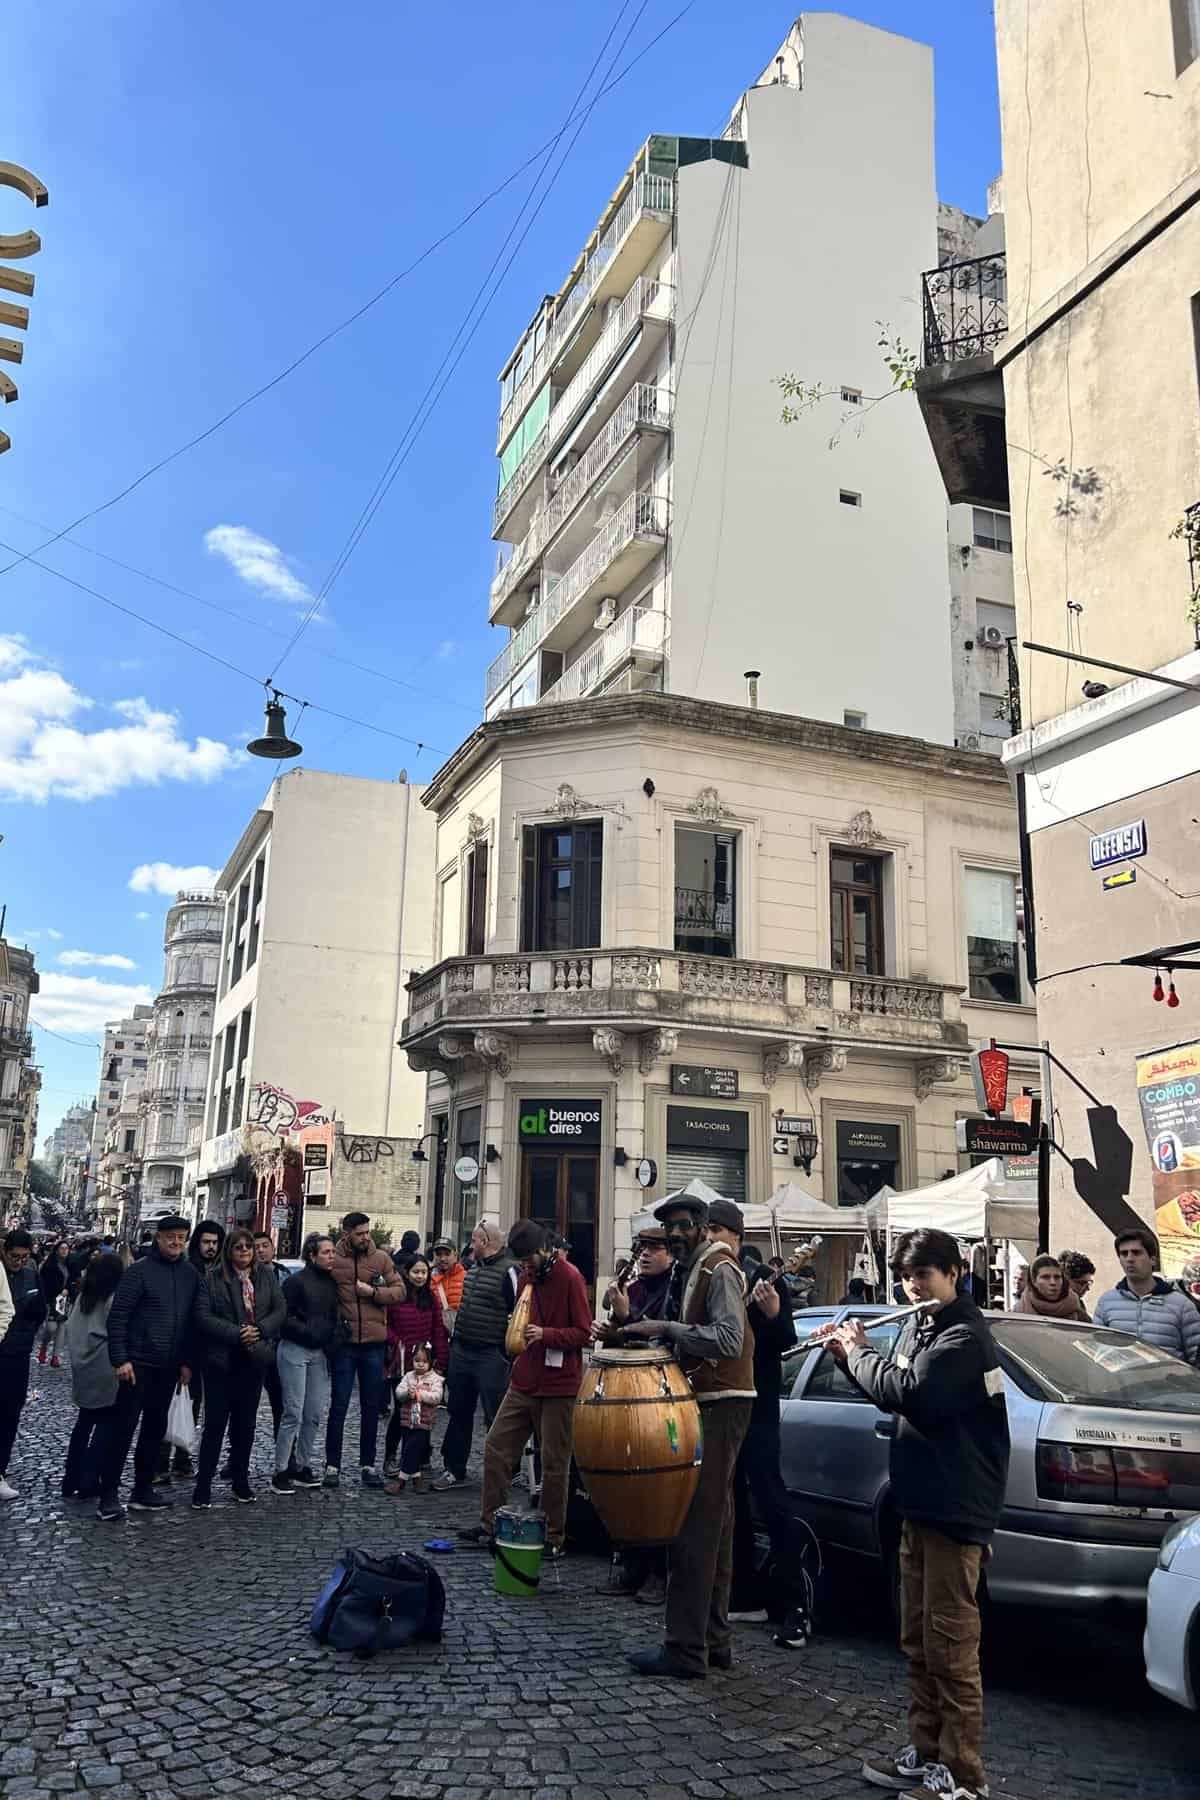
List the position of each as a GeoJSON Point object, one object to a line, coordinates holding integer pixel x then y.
{"type": "Point", "coordinates": [201, 1500]}
{"type": "Point", "coordinates": [445, 1481]}
{"type": "Point", "coordinates": [56, 1362]}
{"type": "Point", "coordinates": [7, 1490]}
{"type": "Point", "coordinates": [281, 1482]}
{"type": "Point", "coordinates": [333, 1476]}
{"type": "Point", "coordinates": [939, 1784]}
{"type": "Point", "coordinates": [902, 1772]}
{"type": "Point", "coordinates": [244, 1496]}
{"type": "Point", "coordinates": [148, 1500]}
{"type": "Point", "coordinates": [478, 1537]}
{"type": "Point", "coordinates": [42, 1356]}
{"type": "Point", "coordinates": [753, 1615]}
{"type": "Point", "coordinates": [306, 1478]}
{"type": "Point", "coordinates": [653, 1592]}
{"type": "Point", "coordinates": [371, 1478]}
{"type": "Point", "coordinates": [110, 1508]}
{"type": "Point", "coordinates": [397, 1487]}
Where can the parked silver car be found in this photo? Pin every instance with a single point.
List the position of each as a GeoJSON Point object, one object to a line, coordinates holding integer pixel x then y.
{"type": "Point", "coordinates": [1105, 1456]}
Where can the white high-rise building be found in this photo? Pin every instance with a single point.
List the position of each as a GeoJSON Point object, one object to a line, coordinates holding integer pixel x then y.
{"type": "Point", "coordinates": [666, 529]}
{"type": "Point", "coordinates": [123, 1057]}
{"type": "Point", "coordinates": [179, 1045]}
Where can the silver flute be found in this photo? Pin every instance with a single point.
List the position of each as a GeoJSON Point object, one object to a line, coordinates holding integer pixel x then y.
{"type": "Point", "coordinates": [823, 1333]}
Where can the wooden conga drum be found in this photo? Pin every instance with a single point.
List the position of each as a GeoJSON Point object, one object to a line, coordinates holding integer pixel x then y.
{"type": "Point", "coordinates": [638, 1443]}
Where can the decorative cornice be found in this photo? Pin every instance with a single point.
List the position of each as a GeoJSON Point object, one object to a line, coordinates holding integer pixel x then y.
{"type": "Point", "coordinates": [476, 827]}
{"type": "Point", "coordinates": [789, 1053]}
{"type": "Point", "coordinates": [707, 807]}
{"type": "Point", "coordinates": [653, 1045]}
{"type": "Point", "coordinates": [828, 1059]}
{"type": "Point", "coordinates": [861, 830]}
{"type": "Point", "coordinates": [611, 1045]}
{"type": "Point", "coordinates": [932, 1070]}
{"type": "Point", "coordinates": [495, 1050]}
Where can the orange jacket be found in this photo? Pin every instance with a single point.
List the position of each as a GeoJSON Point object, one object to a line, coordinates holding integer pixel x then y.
{"type": "Point", "coordinates": [448, 1288]}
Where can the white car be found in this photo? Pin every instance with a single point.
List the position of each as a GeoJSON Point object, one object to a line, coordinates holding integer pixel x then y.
{"type": "Point", "coordinates": [1172, 1641]}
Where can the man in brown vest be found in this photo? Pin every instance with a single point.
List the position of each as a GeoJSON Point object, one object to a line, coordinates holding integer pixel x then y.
{"type": "Point", "coordinates": [706, 1322]}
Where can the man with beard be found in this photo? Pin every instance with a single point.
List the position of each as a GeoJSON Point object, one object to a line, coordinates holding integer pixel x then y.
{"type": "Point", "coordinates": [203, 1252]}
{"type": "Point", "coordinates": [707, 1325]}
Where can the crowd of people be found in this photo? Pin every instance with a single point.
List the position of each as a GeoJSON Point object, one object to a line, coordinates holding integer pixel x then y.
{"type": "Point", "coordinates": [200, 1319]}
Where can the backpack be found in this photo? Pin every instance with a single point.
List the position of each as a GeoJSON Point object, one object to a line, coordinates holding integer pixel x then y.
{"type": "Point", "coordinates": [373, 1603]}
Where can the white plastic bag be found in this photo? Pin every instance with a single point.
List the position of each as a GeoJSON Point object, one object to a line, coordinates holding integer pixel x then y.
{"type": "Point", "coordinates": [181, 1427]}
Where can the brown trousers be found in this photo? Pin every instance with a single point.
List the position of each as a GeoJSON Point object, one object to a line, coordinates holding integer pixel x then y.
{"type": "Point", "coordinates": [700, 1561]}
{"type": "Point", "coordinates": [549, 1418]}
{"type": "Point", "coordinates": [939, 1635]}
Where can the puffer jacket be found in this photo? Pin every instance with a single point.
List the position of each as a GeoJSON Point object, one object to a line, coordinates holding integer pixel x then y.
{"type": "Point", "coordinates": [151, 1316]}
{"type": "Point", "coordinates": [28, 1311]}
{"type": "Point", "coordinates": [365, 1315]}
{"type": "Point", "coordinates": [313, 1309]}
{"type": "Point", "coordinates": [1164, 1317]}
{"type": "Point", "coordinates": [220, 1317]}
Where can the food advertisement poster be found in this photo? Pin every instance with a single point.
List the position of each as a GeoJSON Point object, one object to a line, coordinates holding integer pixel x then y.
{"type": "Point", "coordinates": [1168, 1084]}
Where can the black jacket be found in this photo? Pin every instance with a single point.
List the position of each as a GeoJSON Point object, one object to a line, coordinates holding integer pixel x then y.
{"type": "Point", "coordinates": [29, 1309]}
{"type": "Point", "coordinates": [313, 1313]}
{"type": "Point", "coordinates": [151, 1317]}
{"type": "Point", "coordinates": [54, 1276]}
{"type": "Point", "coordinates": [220, 1317]}
{"type": "Point", "coordinates": [771, 1338]}
{"type": "Point", "coordinates": [949, 1458]}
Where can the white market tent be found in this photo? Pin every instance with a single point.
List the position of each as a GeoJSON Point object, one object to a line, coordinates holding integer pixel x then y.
{"type": "Point", "coordinates": [792, 1210]}
{"type": "Point", "coordinates": [979, 1204]}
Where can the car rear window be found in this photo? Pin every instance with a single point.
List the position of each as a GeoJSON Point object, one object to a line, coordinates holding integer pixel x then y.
{"type": "Point", "coordinates": [1090, 1366]}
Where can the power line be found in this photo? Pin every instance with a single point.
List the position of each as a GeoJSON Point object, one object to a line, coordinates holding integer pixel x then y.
{"type": "Point", "coordinates": [425, 406]}
{"type": "Point", "coordinates": [76, 1043]}
{"type": "Point", "coordinates": [335, 331]}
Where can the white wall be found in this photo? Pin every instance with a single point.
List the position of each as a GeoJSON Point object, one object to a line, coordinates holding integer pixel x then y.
{"type": "Point", "coordinates": [825, 233]}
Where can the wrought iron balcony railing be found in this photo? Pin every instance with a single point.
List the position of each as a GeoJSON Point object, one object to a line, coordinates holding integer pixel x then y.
{"type": "Point", "coordinates": [697, 911]}
{"type": "Point", "coordinates": [965, 308]}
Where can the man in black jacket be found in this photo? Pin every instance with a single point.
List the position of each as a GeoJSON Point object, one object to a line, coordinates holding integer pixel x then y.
{"type": "Point", "coordinates": [29, 1309]}
{"type": "Point", "coordinates": [150, 1347]}
{"type": "Point", "coordinates": [949, 1466]}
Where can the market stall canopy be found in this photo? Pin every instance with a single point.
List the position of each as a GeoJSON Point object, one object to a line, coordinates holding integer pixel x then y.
{"type": "Point", "coordinates": [794, 1210]}
{"type": "Point", "coordinates": [979, 1203]}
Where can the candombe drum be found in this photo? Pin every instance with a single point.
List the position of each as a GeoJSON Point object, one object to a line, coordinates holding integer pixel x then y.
{"type": "Point", "coordinates": [638, 1443]}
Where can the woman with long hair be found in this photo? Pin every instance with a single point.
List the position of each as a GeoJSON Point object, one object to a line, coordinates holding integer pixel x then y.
{"type": "Point", "coordinates": [93, 1378]}
{"type": "Point", "coordinates": [55, 1277]}
{"type": "Point", "coordinates": [1048, 1293]}
{"type": "Point", "coordinates": [239, 1312]}
{"type": "Point", "coordinates": [417, 1319]}
{"type": "Point", "coordinates": [310, 1330]}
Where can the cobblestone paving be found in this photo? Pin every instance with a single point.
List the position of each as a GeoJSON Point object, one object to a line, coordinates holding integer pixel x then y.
{"type": "Point", "coordinates": [169, 1656]}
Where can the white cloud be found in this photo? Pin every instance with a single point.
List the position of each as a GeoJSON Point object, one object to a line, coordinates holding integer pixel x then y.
{"type": "Point", "coordinates": [81, 1003]}
{"type": "Point", "coordinates": [51, 933]}
{"type": "Point", "coordinates": [258, 562]}
{"type": "Point", "coordinates": [141, 915]}
{"type": "Point", "coordinates": [91, 959]}
{"type": "Point", "coordinates": [44, 755]}
{"type": "Point", "coordinates": [169, 879]}
{"type": "Point", "coordinates": [445, 649]}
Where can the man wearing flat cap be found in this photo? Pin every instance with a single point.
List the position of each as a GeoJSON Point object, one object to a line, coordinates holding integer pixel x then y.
{"type": "Point", "coordinates": [706, 1323]}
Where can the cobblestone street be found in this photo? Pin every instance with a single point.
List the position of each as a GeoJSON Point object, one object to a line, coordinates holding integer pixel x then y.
{"type": "Point", "coordinates": [170, 1656]}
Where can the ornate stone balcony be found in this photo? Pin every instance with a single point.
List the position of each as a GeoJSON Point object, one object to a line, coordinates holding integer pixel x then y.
{"type": "Point", "coordinates": [634, 1002]}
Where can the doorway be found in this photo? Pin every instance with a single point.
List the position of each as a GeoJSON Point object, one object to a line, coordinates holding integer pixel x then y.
{"type": "Point", "coordinates": [560, 1190]}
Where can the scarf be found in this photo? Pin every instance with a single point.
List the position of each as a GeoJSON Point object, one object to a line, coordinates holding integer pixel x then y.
{"type": "Point", "coordinates": [248, 1295]}
{"type": "Point", "coordinates": [1067, 1306]}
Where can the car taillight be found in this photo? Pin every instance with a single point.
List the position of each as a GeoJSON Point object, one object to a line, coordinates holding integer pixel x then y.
{"type": "Point", "coordinates": [1108, 1476]}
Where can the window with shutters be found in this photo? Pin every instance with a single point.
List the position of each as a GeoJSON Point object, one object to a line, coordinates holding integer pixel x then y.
{"type": "Point", "coordinates": [561, 886]}
{"type": "Point", "coordinates": [477, 878]}
{"type": "Point", "coordinates": [856, 913]}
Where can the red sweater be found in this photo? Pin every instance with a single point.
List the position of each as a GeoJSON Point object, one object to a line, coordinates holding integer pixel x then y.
{"type": "Point", "coordinates": [560, 1307]}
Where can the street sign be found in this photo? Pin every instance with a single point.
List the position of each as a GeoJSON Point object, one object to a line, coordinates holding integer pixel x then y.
{"type": "Point", "coordinates": [706, 1083]}
{"type": "Point", "coordinates": [780, 1147]}
{"type": "Point", "coordinates": [996, 1137]}
{"type": "Point", "coordinates": [1119, 844]}
{"type": "Point", "coordinates": [989, 1069]}
{"type": "Point", "coordinates": [316, 1156]}
{"type": "Point", "coordinates": [790, 1125]}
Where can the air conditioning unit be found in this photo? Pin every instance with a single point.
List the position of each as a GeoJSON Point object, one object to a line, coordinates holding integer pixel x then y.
{"type": "Point", "coordinates": [992, 636]}
{"type": "Point", "coordinates": [606, 612]}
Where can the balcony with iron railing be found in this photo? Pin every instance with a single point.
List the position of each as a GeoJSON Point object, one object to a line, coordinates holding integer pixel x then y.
{"type": "Point", "coordinates": [959, 389]}
{"type": "Point", "coordinates": [175, 1045]}
{"type": "Point", "coordinates": [648, 302]}
{"type": "Point", "coordinates": [15, 1040]}
{"type": "Point", "coordinates": [701, 913]}
{"type": "Point", "coordinates": [643, 409]}
{"type": "Point", "coordinates": [621, 548]}
{"type": "Point", "coordinates": [640, 222]}
{"type": "Point", "coordinates": [639, 636]}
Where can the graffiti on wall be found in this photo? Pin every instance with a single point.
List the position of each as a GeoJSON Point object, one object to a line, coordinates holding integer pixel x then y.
{"type": "Point", "coordinates": [367, 1149]}
{"type": "Point", "coordinates": [273, 1109]}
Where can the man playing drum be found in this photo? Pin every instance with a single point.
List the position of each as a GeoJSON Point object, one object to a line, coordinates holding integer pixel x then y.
{"type": "Point", "coordinates": [706, 1323]}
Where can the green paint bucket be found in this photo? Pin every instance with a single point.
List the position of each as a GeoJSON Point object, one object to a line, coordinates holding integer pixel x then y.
{"type": "Point", "coordinates": [519, 1539]}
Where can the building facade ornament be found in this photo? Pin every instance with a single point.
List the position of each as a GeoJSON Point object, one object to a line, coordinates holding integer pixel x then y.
{"type": "Point", "coordinates": [861, 830]}
{"type": "Point", "coordinates": [789, 1053]}
{"type": "Point", "coordinates": [495, 1050]}
{"type": "Point", "coordinates": [610, 1044]}
{"type": "Point", "coordinates": [652, 1045]}
{"type": "Point", "coordinates": [826, 1059]}
{"type": "Point", "coordinates": [451, 1048]}
{"type": "Point", "coordinates": [934, 1069]}
{"type": "Point", "coordinates": [567, 803]}
{"type": "Point", "coordinates": [707, 807]}
{"type": "Point", "coordinates": [476, 827]}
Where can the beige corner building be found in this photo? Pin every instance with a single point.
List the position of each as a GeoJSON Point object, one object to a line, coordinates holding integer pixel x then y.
{"type": "Point", "coordinates": [1061, 384]}
{"type": "Point", "coordinates": [668, 930]}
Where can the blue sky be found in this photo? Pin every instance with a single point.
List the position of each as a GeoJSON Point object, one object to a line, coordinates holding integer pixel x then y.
{"type": "Point", "coordinates": [226, 183]}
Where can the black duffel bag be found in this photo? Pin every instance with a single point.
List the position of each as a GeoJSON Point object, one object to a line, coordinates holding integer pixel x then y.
{"type": "Point", "coordinates": [373, 1603]}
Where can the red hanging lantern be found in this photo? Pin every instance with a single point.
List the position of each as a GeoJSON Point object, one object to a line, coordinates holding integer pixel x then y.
{"type": "Point", "coordinates": [1172, 996]}
{"type": "Point", "coordinates": [1158, 986]}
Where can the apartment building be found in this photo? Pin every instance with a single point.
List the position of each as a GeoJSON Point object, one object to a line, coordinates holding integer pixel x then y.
{"type": "Point", "coordinates": [328, 910]}
{"type": "Point", "coordinates": [123, 1057]}
{"type": "Point", "coordinates": [119, 1169]}
{"type": "Point", "coordinates": [71, 1136]}
{"type": "Point", "coordinates": [178, 1044]}
{"type": "Point", "coordinates": [660, 527]}
{"type": "Point", "coordinates": [672, 932]}
{"type": "Point", "coordinates": [19, 1080]}
{"type": "Point", "coordinates": [1061, 383]}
